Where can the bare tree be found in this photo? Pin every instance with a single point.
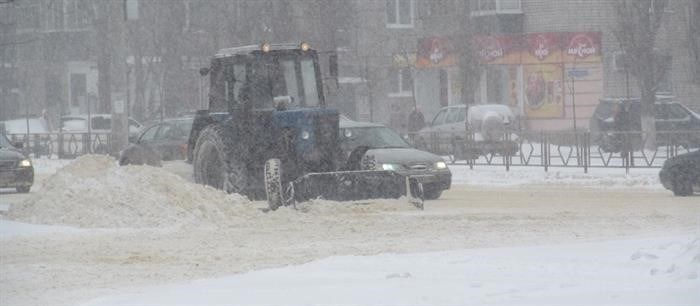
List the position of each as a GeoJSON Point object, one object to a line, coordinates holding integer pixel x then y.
{"type": "Point", "coordinates": [694, 37]}
{"type": "Point", "coordinates": [638, 22]}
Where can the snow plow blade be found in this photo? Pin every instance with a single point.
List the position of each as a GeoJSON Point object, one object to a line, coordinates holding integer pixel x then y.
{"type": "Point", "coordinates": [357, 185]}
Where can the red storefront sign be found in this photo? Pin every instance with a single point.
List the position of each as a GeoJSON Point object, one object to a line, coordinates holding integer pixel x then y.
{"type": "Point", "coordinates": [582, 47]}
{"type": "Point", "coordinates": [503, 49]}
{"type": "Point", "coordinates": [435, 52]}
{"type": "Point", "coordinates": [542, 48]}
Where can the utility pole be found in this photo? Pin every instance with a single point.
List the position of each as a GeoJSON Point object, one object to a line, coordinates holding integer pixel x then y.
{"type": "Point", "coordinates": [120, 122]}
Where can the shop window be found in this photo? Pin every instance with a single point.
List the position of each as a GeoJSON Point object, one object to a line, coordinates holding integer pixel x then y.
{"type": "Point", "coordinates": [497, 81]}
{"type": "Point", "coordinates": [399, 13]}
{"type": "Point", "coordinates": [401, 82]}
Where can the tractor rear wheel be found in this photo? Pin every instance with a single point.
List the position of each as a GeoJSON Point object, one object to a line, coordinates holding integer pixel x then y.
{"type": "Point", "coordinates": [218, 163]}
{"type": "Point", "coordinates": [273, 183]}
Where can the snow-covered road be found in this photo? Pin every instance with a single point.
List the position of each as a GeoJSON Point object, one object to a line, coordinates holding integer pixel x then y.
{"type": "Point", "coordinates": [537, 229]}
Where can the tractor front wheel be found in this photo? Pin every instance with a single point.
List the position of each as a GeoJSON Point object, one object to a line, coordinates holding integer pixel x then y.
{"type": "Point", "coordinates": [273, 183]}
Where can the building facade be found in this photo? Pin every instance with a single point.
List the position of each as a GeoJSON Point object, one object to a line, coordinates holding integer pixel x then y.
{"type": "Point", "coordinates": [550, 61]}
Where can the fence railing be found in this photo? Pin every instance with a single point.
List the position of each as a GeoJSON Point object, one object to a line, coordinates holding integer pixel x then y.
{"type": "Point", "coordinates": [560, 149]}
{"type": "Point", "coordinates": [510, 149]}
{"type": "Point", "coordinates": [64, 145]}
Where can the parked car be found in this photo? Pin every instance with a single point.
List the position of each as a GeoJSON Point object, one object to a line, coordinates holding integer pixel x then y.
{"type": "Point", "coordinates": [39, 139]}
{"type": "Point", "coordinates": [388, 151]}
{"type": "Point", "coordinates": [670, 116]}
{"type": "Point", "coordinates": [167, 139]}
{"type": "Point", "coordinates": [100, 123]}
{"type": "Point", "coordinates": [681, 174]}
{"type": "Point", "coordinates": [24, 126]}
{"type": "Point", "coordinates": [488, 123]}
{"type": "Point", "coordinates": [16, 170]}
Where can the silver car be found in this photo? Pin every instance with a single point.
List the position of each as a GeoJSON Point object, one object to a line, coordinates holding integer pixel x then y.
{"type": "Point", "coordinates": [488, 123]}
{"type": "Point", "coordinates": [388, 151]}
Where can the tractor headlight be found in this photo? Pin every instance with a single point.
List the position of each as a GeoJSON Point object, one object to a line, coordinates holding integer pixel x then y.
{"type": "Point", "coordinates": [440, 165]}
{"type": "Point", "coordinates": [390, 167]}
{"type": "Point", "coordinates": [25, 163]}
{"type": "Point", "coordinates": [305, 135]}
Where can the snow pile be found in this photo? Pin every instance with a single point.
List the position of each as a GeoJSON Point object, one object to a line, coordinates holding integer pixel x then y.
{"type": "Point", "coordinates": [94, 192]}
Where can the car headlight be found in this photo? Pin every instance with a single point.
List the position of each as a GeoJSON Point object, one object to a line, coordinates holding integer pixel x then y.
{"type": "Point", "coordinates": [25, 163]}
{"type": "Point", "coordinates": [305, 135]}
{"type": "Point", "coordinates": [440, 165]}
{"type": "Point", "coordinates": [390, 167]}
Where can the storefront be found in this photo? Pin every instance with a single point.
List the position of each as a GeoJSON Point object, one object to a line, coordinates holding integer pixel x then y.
{"type": "Point", "coordinates": [544, 77]}
{"type": "Point", "coordinates": [437, 75]}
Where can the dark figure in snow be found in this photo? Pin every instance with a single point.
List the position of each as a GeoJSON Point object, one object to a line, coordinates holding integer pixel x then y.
{"type": "Point", "coordinates": [623, 125]}
{"type": "Point", "coordinates": [416, 121]}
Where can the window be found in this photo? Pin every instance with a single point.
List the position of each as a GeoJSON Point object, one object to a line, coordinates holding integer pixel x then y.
{"type": "Point", "coordinates": [497, 81]}
{"type": "Point", "coordinates": [78, 14]}
{"type": "Point", "coordinates": [30, 16]}
{"type": "Point", "coordinates": [54, 15]}
{"type": "Point", "coordinates": [485, 7]}
{"type": "Point", "coordinates": [399, 13]}
{"type": "Point", "coordinates": [439, 118]}
{"type": "Point", "coordinates": [308, 75]}
{"type": "Point", "coordinates": [401, 82]}
{"type": "Point", "coordinates": [452, 116]}
{"type": "Point", "coordinates": [149, 134]}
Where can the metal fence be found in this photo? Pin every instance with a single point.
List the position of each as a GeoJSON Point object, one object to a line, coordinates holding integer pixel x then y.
{"type": "Point", "coordinates": [560, 149]}
{"type": "Point", "coordinates": [512, 149]}
{"type": "Point", "coordinates": [64, 145]}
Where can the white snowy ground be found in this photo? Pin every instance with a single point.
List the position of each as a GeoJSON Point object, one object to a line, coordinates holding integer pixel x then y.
{"type": "Point", "coordinates": [656, 271]}
{"type": "Point", "coordinates": [660, 270]}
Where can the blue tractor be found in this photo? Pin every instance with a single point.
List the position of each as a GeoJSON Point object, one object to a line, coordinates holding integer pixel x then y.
{"type": "Point", "coordinates": [268, 133]}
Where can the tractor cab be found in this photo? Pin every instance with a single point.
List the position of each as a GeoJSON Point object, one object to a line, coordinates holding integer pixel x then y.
{"type": "Point", "coordinates": [266, 77]}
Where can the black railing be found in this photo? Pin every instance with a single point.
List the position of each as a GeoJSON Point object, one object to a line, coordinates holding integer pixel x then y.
{"type": "Point", "coordinates": [560, 149]}
{"type": "Point", "coordinates": [63, 145]}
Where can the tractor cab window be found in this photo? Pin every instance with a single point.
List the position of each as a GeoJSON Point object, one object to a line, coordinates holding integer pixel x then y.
{"type": "Point", "coordinates": [308, 74]}
{"type": "Point", "coordinates": [293, 80]}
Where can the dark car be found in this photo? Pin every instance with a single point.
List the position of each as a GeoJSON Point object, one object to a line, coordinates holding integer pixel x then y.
{"type": "Point", "coordinates": [16, 170]}
{"type": "Point", "coordinates": [681, 174]}
{"type": "Point", "coordinates": [675, 123]}
{"type": "Point", "coordinates": [167, 140]}
{"type": "Point", "coordinates": [391, 152]}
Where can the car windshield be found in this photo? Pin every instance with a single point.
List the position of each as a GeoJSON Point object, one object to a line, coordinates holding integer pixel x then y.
{"type": "Point", "coordinates": [373, 137]}
{"type": "Point", "coordinates": [185, 126]}
{"type": "Point", "coordinates": [4, 143]}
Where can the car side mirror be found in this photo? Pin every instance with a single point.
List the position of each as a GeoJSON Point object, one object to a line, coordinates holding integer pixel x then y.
{"type": "Point", "coordinates": [18, 144]}
{"type": "Point", "coordinates": [204, 71]}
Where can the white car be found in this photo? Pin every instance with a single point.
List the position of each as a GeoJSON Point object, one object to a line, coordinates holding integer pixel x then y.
{"type": "Point", "coordinates": [100, 123]}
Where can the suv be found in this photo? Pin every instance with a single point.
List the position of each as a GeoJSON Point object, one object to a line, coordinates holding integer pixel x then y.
{"type": "Point", "coordinates": [669, 116]}
{"type": "Point", "coordinates": [488, 123]}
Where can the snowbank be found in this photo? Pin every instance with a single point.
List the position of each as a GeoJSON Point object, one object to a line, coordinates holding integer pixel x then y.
{"type": "Point", "coordinates": [94, 192]}
{"type": "Point", "coordinates": [652, 271]}
{"type": "Point", "coordinates": [497, 176]}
